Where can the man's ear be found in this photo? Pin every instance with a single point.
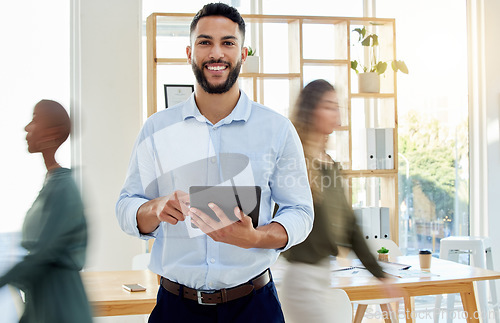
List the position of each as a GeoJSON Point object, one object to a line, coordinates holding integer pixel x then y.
{"type": "Point", "coordinates": [244, 54]}
{"type": "Point", "coordinates": [188, 53]}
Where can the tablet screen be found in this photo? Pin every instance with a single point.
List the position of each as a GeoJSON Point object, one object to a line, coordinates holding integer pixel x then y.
{"type": "Point", "coordinates": [227, 198]}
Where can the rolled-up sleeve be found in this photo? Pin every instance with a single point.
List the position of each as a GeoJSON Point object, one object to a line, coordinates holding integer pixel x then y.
{"type": "Point", "coordinates": [290, 189]}
{"type": "Point", "coordinates": [141, 176]}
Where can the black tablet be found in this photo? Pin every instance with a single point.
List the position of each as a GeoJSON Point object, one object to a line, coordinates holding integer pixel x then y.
{"type": "Point", "coordinates": [247, 198]}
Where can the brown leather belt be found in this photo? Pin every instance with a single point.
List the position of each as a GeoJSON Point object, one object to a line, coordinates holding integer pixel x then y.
{"type": "Point", "coordinates": [209, 297]}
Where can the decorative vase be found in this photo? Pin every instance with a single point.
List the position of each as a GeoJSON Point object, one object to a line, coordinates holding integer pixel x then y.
{"type": "Point", "coordinates": [251, 65]}
{"type": "Point", "coordinates": [369, 82]}
{"type": "Point", "coordinates": [383, 256]}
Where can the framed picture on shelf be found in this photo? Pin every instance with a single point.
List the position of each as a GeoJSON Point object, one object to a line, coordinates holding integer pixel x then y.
{"type": "Point", "coordinates": [176, 93]}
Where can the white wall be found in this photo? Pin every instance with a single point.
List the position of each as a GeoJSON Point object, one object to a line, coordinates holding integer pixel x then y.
{"type": "Point", "coordinates": [106, 105]}
{"type": "Point", "coordinates": [492, 129]}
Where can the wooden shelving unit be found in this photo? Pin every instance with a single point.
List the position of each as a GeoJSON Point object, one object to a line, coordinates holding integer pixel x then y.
{"type": "Point", "coordinates": [168, 35]}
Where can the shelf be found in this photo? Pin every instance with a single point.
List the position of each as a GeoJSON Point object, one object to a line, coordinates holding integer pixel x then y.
{"type": "Point", "coordinates": [171, 61]}
{"type": "Point", "coordinates": [256, 18]}
{"type": "Point", "coordinates": [371, 173]}
{"type": "Point", "coordinates": [334, 62]}
{"type": "Point", "coordinates": [272, 75]}
{"type": "Point", "coordinates": [372, 21]}
{"type": "Point", "coordinates": [372, 95]}
{"type": "Point", "coordinates": [183, 61]}
{"type": "Point", "coordinates": [341, 128]}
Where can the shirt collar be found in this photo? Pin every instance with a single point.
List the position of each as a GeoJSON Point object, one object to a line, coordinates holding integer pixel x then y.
{"type": "Point", "coordinates": [241, 111]}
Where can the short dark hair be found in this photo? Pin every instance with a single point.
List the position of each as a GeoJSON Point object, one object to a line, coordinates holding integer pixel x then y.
{"type": "Point", "coordinates": [219, 9]}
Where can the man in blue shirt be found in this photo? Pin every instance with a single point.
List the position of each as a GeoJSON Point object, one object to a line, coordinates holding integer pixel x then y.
{"type": "Point", "coordinates": [218, 137]}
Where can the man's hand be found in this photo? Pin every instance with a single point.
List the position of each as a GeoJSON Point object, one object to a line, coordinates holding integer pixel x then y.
{"type": "Point", "coordinates": [240, 233]}
{"type": "Point", "coordinates": [170, 209]}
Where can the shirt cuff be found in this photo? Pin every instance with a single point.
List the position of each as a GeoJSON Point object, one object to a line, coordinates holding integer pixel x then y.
{"type": "Point", "coordinates": [289, 243]}
{"type": "Point", "coordinates": [133, 208]}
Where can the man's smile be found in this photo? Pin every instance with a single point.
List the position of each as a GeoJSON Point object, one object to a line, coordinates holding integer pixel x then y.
{"type": "Point", "coordinates": [216, 67]}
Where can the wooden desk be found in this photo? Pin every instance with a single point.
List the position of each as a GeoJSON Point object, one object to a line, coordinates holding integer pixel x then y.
{"type": "Point", "coordinates": [448, 277]}
{"type": "Point", "coordinates": [108, 298]}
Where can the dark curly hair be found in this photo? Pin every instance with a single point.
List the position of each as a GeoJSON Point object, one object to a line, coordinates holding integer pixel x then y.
{"type": "Point", "coordinates": [219, 9]}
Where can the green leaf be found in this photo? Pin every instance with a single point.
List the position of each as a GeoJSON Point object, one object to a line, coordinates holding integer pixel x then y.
{"type": "Point", "coordinates": [354, 65]}
{"type": "Point", "coordinates": [375, 40]}
{"type": "Point", "coordinates": [361, 33]}
{"type": "Point", "coordinates": [402, 67]}
{"type": "Point", "coordinates": [383, 250]}
{"type": "Point", "coordinates": [366, 41]}
{"type": "Point", "coordinates": [399, 66]}
{"type": "Point", "coordinates": [381, 67]}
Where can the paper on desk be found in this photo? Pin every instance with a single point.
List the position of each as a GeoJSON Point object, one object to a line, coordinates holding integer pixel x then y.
{"type": "Point", "coordinates": [354, 272]}
{"type": "Point", "coordinates": [355, 268]}
{"type": "Point", "coordinates": [410, 273]}
{"type": "Point", "coordinates": [386, 265]}
{"type": "Point", "coordinates": [356, 264]}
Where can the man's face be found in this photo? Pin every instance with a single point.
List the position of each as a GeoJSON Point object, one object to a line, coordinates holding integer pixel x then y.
{"type": "Point", "coordinates": [216, 53]}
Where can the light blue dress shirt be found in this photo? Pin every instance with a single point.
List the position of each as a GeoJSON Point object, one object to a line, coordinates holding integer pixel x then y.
{"type": "Point", "coordinates": [178, 148]}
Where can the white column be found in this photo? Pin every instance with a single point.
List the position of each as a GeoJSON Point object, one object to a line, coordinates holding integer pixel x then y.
{"type": "Point", "coordinates": [106, 105]}
{"type": "Point", "coordinates": [492, 126]}
{"type": "Point", "coordinates": [484, 96]}
{"type": "Point", "coordinates": [484, 78]}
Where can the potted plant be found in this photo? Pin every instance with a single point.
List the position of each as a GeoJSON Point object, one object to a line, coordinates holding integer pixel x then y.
{"type": "Point", "coordinates": [369, 79]}
{"type": "Point", "coordinates": [251, 64]}
{"type": "Point", "coordinates": [383, 254]}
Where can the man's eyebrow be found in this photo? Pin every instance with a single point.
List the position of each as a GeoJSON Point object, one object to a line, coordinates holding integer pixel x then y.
{"type": "Point", "coordinates": [210, 37]}
{"type": "Point", "coordinates": [204, 36]}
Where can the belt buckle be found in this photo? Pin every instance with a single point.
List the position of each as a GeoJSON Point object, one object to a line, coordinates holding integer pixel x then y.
{"type": "Point", "coordinates": [200, 297]}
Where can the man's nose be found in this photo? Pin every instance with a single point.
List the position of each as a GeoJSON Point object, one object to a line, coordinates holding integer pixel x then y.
{"type": "Point", "coordinates": [216, 52]}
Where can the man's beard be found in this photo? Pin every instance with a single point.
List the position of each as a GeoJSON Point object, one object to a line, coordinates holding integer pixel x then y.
{"type": "Point", "coordinates": [221, 88]}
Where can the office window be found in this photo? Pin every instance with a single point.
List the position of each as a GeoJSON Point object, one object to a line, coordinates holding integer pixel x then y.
{"type": "Point", "coordinates": [433, 120]}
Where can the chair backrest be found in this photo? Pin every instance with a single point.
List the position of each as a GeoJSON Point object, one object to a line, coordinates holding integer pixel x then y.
{"type": "Point", "coordinates": [141, 261]}
{"type": "Point", "coordinates": [376, 244]}
{"type": "Point", "coordinates": [340, 305]}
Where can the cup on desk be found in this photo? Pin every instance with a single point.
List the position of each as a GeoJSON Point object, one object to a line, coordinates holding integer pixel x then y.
{"type": "Point", "coordinates": [425, 257]}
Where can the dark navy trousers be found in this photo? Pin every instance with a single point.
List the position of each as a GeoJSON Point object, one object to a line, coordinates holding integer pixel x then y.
{"type": "Point", "coordinates": [261, 306]}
